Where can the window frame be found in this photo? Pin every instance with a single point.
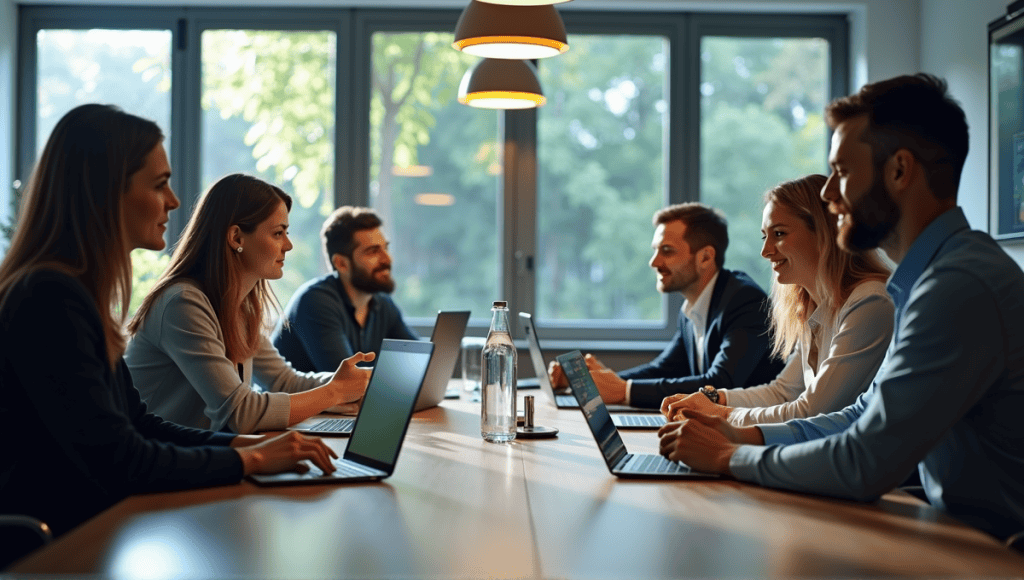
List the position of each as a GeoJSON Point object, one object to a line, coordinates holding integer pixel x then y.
{"type": "Point", "coordinates": [354, 28]}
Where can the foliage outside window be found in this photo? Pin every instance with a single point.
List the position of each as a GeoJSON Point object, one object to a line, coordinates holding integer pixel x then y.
{"type": "Point", "coordinates": [607, 146]}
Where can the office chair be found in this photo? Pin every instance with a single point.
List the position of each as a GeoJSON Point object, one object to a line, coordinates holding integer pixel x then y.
{"type": "Point", "coordinates": [20, 535]}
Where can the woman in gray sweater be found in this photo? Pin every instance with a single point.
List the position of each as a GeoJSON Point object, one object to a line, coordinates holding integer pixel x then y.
{"type": "Point", "coordinates": [199, 338]}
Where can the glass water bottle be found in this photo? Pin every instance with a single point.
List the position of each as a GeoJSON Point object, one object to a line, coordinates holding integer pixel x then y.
{"type": "Point", "coordinates": [498, 380]}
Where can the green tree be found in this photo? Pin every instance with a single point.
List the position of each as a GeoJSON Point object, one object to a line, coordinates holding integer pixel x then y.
{"type": "Point", "coordinates": [761, 124]}
{"type": "Point", "coordinates": [602, 176]}
{"type": "Point", "coordinates": [268, 109]}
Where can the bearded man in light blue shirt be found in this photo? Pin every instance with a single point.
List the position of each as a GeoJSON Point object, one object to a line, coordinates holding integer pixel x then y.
{"type": "Point", "coordinates": [949, 396]}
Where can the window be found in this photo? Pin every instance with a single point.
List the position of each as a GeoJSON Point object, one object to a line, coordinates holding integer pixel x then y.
{"type": "Point", "coordinates": [268, 110]}
{"type": "Point", "coordinates": [762, 101]}
{"type": "Point", "coordinates": [602, 150]}
{"type": "Point", "coordinates": [128, 68]}
{"type": "Point", "coordinates": [549, 209]}
{"type": "Point", "coordinates": [436, 190]}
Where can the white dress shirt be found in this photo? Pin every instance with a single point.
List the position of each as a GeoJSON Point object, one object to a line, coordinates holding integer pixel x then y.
{"type": "Point", "coordinates": [849, 350]}
{"type": "Point", "coordinates": [698, 315]}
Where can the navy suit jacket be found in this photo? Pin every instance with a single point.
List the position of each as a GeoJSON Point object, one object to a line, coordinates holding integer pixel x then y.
{"type": "Point", "coordinates": [736, 347]}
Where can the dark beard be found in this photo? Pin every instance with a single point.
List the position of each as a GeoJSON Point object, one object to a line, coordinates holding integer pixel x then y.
{"type": "Point", "coordinates": [871, 221]}
{"type": "Point", "coordinates": [364, 281]}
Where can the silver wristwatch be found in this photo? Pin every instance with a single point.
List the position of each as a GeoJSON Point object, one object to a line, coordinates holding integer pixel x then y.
{"type": "Point", "coordinates": [710, 393]}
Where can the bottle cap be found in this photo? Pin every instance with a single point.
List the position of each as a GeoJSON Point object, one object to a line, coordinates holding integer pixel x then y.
{"type": "Point", "coordinates": [500, 304]}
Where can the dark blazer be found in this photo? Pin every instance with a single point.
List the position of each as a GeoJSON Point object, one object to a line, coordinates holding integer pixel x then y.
{"type": "Point", "coordinates": [736, 347]}
{"type": "Point", "coordinates": [77, 437]}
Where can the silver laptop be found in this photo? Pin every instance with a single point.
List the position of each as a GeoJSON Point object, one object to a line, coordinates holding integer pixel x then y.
{"type": "Point", "coordinates": [447, 338]}
{"type": "Point", "coordinates": [620, 462]}
{"type": "Point", "coordinates": [563, 399]}
{"type": "Point", "coordinates": [382, 421]}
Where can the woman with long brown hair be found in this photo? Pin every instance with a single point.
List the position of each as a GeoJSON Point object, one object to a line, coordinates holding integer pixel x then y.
{"type": "Point", "coordinates": [99, 190]}
{"type": "Point", "coordinates": [831, 316]}
{"type": "Point", "coordinates": [200, 339]}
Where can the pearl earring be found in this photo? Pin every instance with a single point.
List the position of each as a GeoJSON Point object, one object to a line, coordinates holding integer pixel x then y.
{"type": "Point", "coordinates": [239, 249]}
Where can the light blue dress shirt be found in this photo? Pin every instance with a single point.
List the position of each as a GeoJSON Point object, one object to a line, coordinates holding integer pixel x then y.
{"type": "Point", "coordinates": [948, 398]}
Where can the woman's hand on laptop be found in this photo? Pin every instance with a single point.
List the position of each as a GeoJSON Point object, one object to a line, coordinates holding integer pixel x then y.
{"type": "Point", "coordinates": [345, 408]}
{"type": "Point", "coordinates": [349, 382]}
{"type": "Point", "coordinates": [286, 452]}
{"type": "Point", "coordinates": [673, 405]}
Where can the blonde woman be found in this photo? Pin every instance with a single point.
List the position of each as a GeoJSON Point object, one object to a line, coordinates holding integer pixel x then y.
{"type": "Point", "coordinates": [831, 316]}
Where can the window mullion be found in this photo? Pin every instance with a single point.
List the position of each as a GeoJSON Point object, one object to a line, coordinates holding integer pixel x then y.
{"type": "Point", "coordinates": [520, 203]}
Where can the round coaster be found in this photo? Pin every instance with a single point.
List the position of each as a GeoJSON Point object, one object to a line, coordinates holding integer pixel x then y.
{"type": "Point", "coordinates": [536, 432]}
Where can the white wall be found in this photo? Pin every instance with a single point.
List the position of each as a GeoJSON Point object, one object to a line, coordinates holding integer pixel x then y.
{"type": "Point", "coordinates": [962, 58]}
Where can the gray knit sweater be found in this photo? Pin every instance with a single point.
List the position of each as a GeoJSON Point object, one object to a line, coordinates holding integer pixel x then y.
{"type": "Point", "coordinates": [178, 362]}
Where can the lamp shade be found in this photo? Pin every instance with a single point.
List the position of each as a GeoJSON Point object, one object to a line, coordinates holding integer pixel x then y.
{"type": "Point", "coordinates": [513, 32]}
{"type": "Point", "coordinates": [525, 2]}
{"type": "Point", "coordinates": [501, 84]}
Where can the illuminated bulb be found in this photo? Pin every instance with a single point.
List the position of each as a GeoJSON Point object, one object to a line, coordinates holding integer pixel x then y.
{"type": "Point", "coordinates": [521, 32]}
{"type": "Point", "coordinates": [501, 84]}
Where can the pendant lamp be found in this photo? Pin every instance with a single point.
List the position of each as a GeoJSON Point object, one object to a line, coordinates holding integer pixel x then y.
{"type": "Point", "coordinates": [501, 84]}
{"type": "Point", "coordinates": [525, 2]}
{"type": "Point", "coordinates": [522, 32]}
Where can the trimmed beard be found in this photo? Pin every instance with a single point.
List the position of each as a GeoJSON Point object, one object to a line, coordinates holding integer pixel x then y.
{"type": "Point", "coordinates": [871, 221]}
{"type": "Point", "coordinates": [364, 281]}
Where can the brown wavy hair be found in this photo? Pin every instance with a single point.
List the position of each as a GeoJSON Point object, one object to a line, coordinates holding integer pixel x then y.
{"type": "Point", "coordinates": [204, 257]}
{"type": "Point", "coordinates": [839, 271]}
{"type": "Point", "coordinates": [71, 219]}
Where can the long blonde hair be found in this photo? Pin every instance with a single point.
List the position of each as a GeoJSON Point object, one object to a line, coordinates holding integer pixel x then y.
{"type": "Point", "coordinates": [71, 219]}
{"type": "Point", "coordinates": [839, 272]}
{"type": "Point", "coordinates": [204, 257]}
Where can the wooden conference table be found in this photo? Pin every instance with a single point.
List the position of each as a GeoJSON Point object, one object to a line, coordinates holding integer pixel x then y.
{"type": "Point", "coordinates": [457, 507]}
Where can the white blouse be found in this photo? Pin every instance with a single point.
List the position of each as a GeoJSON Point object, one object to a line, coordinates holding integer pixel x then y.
{"type": "Point", "coordinates": [850, 350]}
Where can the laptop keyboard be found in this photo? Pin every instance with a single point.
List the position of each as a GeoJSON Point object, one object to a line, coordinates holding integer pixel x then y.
{"type": "Point", "coordinates": [653, 464]}
{"type": "Point", "coordinates": [333, 425]}
{"type": "Point", "coordinates": [343, 469]}
{"type": "Point", "coordinates": [639, 420]}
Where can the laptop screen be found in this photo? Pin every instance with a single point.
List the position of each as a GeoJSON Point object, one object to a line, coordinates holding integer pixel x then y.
{"type": "Point", "coordinates": [447, 338]}
{"type": "Point", "coordinates": [536, 354]}
{"type": "Point", "coordinates": [596, 414]}
{"type": "Point", "coordinates": [384, 415]}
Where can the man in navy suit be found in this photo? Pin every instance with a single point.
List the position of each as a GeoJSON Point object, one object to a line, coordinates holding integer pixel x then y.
{"type": "Point", "coordinates": [722, 339]}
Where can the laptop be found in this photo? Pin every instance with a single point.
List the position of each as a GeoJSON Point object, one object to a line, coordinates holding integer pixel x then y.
{"type": "Point", "coordinates": [447, 338]}
{"type": "Point", "coordinates": [649, 419]}
{"type": "Point", "coordinates": [620, 462]}
{"type": "Point", "coordinates": [382, 421]}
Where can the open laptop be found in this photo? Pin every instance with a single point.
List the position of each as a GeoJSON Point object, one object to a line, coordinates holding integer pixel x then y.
{"type": "Point", "coordinates": [447, 338]}
{"type": "Point", "coordinates": [648, 419]}
{"type": "Point", "coordinates": [382, 421]}
{"type": "Point", "coordinates": [620, 462]}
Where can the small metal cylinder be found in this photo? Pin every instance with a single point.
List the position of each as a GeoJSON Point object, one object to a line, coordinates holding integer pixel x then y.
{"type": "Point", "coordinates": [528, 411]}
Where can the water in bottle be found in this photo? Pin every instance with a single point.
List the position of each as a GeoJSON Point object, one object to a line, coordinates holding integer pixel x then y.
{"type": "Point", "coordinates": [498, 380]}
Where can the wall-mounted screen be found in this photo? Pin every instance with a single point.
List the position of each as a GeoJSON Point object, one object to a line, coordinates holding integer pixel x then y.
{"type": "Point", "coordinates": [1006, 127]}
